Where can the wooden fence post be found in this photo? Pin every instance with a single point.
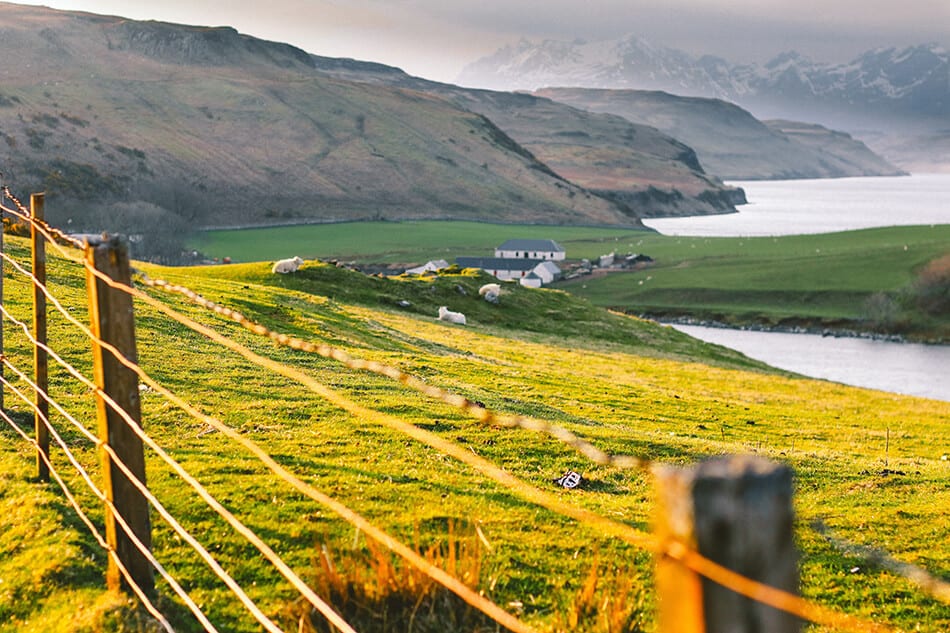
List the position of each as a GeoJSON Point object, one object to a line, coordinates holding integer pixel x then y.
{"type": "Point", "coordinates": [113, 322]}
{"type": "Point", "coordinates": [736, 511]}
{"type": "Point", "coordinates": [40, 361]}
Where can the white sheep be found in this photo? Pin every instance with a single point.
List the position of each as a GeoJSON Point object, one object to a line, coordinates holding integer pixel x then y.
{"type": "Point", "coordinates": [452, 317]}
{"type": "Point", "coordinates": [490, 292]}
{"type": "Point", "coordinates": [287, 265]}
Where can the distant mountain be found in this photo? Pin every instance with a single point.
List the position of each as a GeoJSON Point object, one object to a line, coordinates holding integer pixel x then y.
{"type": "Point", "coordinates": [907, 89]}
{"type": "Point", "coordinates": [636, 165]}
{"type": "Point", "coordinates": [154, 127]}
{"type": "Point", "coordinates": [732, 143]}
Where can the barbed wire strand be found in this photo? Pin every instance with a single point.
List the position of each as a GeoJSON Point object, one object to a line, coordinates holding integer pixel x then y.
{"type": "Point", "coordinates": [459, 588]}
{"type": "Point", "coordinates": [176, 587]}
{"type": "Point", "coordinates": [939, 589]}
{"type": "Point", "coordinates": [477, 411]}
{"type": "Point", "coordinates": [434, 572]}
{"type": "Point", "coordinates": [757, 591]}
{"type": "Point", "coordinates": [466, 405]}
{"type": "Point", "coordinates": [695, 561]}
{"type": "Point", "coordinates": [25, 214]}
{"type": "Point", "coordinates": [142, 596]}
{"type": "Point", "coordinates": [224, 513]}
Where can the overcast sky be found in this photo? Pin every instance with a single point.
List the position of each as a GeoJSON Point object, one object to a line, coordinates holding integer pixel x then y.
{"type": "Point", "coordinates": [436, 38]}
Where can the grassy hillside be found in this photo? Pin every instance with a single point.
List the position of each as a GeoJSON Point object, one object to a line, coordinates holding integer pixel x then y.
{"type": "Point", "coordinates": [149, 127]}
{"type": "Point", "coordinates": [868, 462]}
{"type": "Point", "coordinates": [637, 164]}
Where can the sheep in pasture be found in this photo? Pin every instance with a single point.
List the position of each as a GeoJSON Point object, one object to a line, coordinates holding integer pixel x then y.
{"type": "Point", "coordinates": [452, 317]}
{"type": "Point", "coordinates": [490, 292]}
{"type": "Point", "coordinates": [287, 265]}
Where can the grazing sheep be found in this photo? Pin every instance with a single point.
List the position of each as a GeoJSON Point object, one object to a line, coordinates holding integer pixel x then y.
{"type": "Point", "coordinates": [490, 292]}
{"type": "Point", "coordinates": [287, 265]}
{"type": "Point", "coordinates": [452, 317]}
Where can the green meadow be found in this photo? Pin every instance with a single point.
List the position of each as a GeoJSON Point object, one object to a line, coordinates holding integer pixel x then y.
{"type": "Point", "coordinates": [872, 465]}
{"type": "Point", "coordinates": [396, 242]}
{"type": "Point", "coordinates": [866, 279]}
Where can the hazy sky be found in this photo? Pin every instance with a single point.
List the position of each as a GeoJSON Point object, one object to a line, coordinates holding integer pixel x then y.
{"type": "Point", "coordinates": [436, 38]}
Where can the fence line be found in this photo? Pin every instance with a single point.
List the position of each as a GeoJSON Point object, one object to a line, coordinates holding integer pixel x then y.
{"type": "Point", "coordinates": [778, 599]}
{"type": "Point", "coordinates": [675, 550]}
{"type": "Point", "coordinates": [459, 588]}
{"type": "Point", "coordinates": [268, 553]}
{"type": "Point", "coordinates": [150, 607]}
{"type": "Point", "coordinates": [692, 559]}
{"type": "Point", "coordinates": [137, 483]}
{"type": "Point", "coordinates": [83, 473]}
{"type": "Point", "coordinates": [477, 411]}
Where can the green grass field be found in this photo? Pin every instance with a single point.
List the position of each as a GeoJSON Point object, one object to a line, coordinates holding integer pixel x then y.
{"type": "Point", "coordinates": [396, 242]}
{"type": "Point", "coordinates": [867, 462]}
{"type": "Point", "coordinates": [809, 278]}
{"type": "Point", "coordinates": [819, 280]}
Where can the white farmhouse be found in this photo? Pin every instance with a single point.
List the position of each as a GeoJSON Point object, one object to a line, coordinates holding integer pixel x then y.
{"type": "Point", "coordinates": [507, 269]}
{"type": "Point", "coordinates": [531, 249]}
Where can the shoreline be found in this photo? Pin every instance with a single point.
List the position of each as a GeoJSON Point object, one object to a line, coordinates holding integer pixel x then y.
{"type": "Point", "coordinates": [802, 328]}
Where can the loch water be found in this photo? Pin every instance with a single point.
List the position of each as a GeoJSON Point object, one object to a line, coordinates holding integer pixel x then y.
{"type": "Point", "coordinates": [794, 207]}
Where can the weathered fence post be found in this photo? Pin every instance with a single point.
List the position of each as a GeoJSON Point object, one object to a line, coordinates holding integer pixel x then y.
{"type": "Point", "coordinates": [736, 511]}
{"type": "Point", "coordinates": [40, 362]}
{"type": "Point", "coordinates": [113, 322]}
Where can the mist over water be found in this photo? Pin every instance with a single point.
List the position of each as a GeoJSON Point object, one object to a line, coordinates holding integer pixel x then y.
{"type": "Point", "coordinates": [791, 207]}
{"type": "Point", "coordinates": [794, 207]}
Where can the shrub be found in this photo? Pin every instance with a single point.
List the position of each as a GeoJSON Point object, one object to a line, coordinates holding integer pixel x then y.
{"type": "Point", "coordinates": [932, 286]}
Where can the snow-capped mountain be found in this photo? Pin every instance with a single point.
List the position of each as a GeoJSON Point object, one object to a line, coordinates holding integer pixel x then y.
{"type": "Point", "coordinates": [911, 84]}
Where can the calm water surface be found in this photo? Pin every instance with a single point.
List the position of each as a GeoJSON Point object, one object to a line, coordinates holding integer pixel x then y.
{"type": "Point", "coordinates": [907, 368]}
{"type": "Point", "coordinates": [791, 207]}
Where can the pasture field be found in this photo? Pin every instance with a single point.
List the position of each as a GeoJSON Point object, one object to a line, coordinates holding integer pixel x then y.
{"type": "Point", "coordinates": [868, 463]}
{"type": "Point", "coordinates": [810, 279]}
{"type": "Point", "coordinates": [818, 280]}
{"type": "Point", "coordinates": [396, 242]}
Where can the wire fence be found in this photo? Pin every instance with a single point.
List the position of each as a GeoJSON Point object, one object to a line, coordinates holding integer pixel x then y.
{"type": "Point", "coordinates": [66, 246]}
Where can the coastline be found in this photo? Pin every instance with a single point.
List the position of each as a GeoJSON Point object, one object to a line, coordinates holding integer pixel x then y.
{"type": "Point", "coordinates": [793, 326]}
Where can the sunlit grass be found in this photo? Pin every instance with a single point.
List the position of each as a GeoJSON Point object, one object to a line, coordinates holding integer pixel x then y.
{"type": "Point", "coordinates": [868, 462]}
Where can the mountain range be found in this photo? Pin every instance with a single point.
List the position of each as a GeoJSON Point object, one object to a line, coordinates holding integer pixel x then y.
{"type": "Point", "coordinates": [883, 92]}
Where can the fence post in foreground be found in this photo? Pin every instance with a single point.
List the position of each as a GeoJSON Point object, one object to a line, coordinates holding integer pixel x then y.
{"type": "Point", "coordinates": [736, 511]}
{"type": "Point", "coordinates": [113, 322]}
{"type": "Point", "coordinates": [40, 361]}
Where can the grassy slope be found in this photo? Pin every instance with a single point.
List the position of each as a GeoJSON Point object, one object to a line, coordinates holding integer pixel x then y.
{"type": "Point", "coordinates": [628, 385]}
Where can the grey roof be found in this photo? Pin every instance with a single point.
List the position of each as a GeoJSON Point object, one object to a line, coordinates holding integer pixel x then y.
{"type": "Point", "coordinates": [531, 245]}
{"type": "Point", "coordinates": [497, 263]}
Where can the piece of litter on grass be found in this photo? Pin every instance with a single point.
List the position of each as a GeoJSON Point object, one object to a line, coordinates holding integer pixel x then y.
{"type": "Point", "coordinates": [570, 479]}
{"type": "Point", "coordinates": [854, 570]}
